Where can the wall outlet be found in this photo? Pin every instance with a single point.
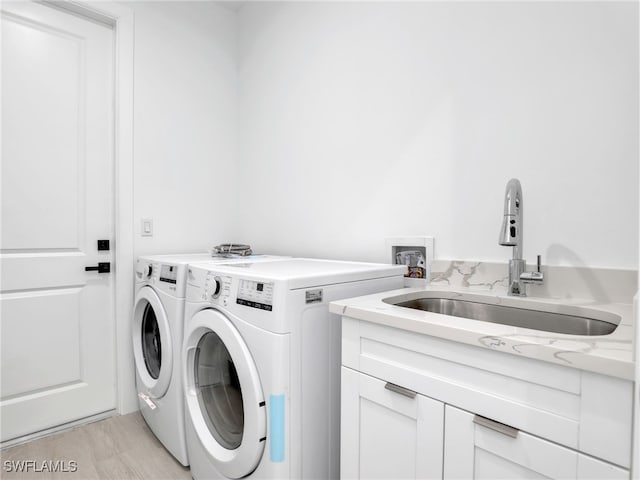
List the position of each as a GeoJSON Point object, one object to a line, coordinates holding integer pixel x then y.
{"type": "Point", "coordinates": [146, 227]}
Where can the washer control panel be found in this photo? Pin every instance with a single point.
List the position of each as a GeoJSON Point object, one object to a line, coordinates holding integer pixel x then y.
{"type": "Point", "coordinates": [162, 276]}
{"type": "Point", "coordinates": [255, 294]}
{"type": "Point", "coordinates": [169, 274]}
{"type": "Point", "coordinates": [144, 270]}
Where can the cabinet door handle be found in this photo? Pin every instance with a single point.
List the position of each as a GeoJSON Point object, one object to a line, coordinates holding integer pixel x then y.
{"type": "Point", "coordinates": [497, 426]}
{"type": "Point", "coordinates": [401, 390]}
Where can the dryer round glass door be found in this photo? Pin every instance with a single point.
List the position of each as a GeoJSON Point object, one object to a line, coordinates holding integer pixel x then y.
{"type": "Point", "coordinates": [219, 391]}
{"type": "Point", "coordinates": [151, 344]}
{"type": "Point", "coordinates": [224, 398]}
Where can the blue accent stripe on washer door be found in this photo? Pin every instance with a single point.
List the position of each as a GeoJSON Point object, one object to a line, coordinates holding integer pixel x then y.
{"type": "Point", "coordinates": [276, 420]}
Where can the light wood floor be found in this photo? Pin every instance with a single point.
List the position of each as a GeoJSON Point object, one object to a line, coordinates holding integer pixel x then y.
{"type": "Point", "coordinates": [118, 448]}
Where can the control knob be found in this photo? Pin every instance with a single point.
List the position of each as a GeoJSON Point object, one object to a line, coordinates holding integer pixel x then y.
{"type": "Point", "coordinates": [217, 287]}
{"type": "Point", "coordinates": [147, 271]}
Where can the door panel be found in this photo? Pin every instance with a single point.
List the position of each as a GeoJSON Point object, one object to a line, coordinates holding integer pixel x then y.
{"type": "Point", "coordinates": [475, 451]}
{"type": "Point", "coordinates": [57, 200]}
{"type": "Point", "coordinates": [493, 467]}
{"type": "Point", "coordinates": [55, 316]}
{"type": "Point", "coordinates": [386, 434]}
{"type": "Point", "coordinates": [42, 138]}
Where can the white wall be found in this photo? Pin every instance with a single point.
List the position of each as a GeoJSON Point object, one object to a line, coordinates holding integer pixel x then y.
{"type": "Point", "coordinates": [365, 120]}
{"type": "Point", "coordinates": [185, 124]}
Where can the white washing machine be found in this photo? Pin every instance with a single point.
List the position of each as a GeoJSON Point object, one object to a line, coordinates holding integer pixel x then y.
{"type": "Point", "coordinates": [157, 331]}
{"type": "Point", "coordinates": [261, 359]}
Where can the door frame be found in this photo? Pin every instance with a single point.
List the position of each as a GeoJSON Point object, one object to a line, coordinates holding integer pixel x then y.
{"type": "Point", "coordinates": [121, 19]}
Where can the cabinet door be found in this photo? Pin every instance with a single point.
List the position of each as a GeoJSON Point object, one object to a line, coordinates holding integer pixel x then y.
{"type": "Point", "coordinates": [474, 450]}
{"type": "Point", "coordinates": [590, 468]}
{"type": "Point", "coordinates": [388, 432]}
{"type": "Point", "coordinates": [477, 448]}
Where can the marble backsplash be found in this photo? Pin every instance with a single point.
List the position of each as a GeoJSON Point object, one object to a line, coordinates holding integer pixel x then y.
{"type": "Point", "coordinates": [598, 284]}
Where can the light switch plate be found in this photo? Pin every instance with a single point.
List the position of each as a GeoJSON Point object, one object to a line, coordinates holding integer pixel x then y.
{"type": "Point", "coordinates": [146, 227]}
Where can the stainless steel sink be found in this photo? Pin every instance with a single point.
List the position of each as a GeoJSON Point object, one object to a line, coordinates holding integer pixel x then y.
{"type": "Point", "coordinates": [566, 323]}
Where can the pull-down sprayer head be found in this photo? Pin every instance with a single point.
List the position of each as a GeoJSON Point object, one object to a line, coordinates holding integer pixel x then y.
{"type": "Point", "coordinates": [511, 231]}
{"type": "Point", "coordinates": [511, 236]}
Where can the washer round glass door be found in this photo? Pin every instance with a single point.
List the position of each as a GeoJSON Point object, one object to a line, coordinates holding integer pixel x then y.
{"type": "Point", "coordinates": [224, 397]}
{"type": "Point", "coordinates": [152, 343]}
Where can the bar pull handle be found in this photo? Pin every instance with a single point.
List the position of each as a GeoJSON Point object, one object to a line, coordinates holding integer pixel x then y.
{"type": "Point", "coordinates": [401, 390]}
{"type": "Point", "coordinates": [496, 426]}
{"type": "Point", "coordinates": [102, 267]}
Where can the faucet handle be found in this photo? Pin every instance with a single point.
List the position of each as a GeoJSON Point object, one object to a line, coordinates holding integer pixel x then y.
{"type": "Point", "coordinates": [533, 277]}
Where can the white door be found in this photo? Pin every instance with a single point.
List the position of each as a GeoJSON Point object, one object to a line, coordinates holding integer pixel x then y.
{"type": "Point", "coordinates": [57, 325]}
{"type": "Point", "coordinates": [387, 431]}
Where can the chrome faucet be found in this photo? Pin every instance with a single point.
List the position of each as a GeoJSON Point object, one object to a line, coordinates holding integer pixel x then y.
{"type": "Point", "coordinates": [511, 236]}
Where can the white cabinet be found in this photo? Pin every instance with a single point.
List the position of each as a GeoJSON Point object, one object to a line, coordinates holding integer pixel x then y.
{"type": "Point", "coordinates": [478, 448]}
{"type": "Point", "coordinates": [388, 431]}
{"type": "Point", "coordinates": [415, 406]}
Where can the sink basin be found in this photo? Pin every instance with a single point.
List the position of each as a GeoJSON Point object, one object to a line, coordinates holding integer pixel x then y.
{"type": "Point", "coordinates": [570, 323]}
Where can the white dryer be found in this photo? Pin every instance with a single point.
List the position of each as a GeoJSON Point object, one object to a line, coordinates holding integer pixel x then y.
{"type": "Point", "coordinates": [157, 331]}
{"type": "Point", "coordinates": [261, 365]}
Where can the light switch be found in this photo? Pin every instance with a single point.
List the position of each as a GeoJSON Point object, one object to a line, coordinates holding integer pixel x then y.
{"type": "Point", "coordinates": [146, 229]}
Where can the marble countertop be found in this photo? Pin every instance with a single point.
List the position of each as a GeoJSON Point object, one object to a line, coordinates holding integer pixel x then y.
{"type": "Point", "coordinates": [607, 354]}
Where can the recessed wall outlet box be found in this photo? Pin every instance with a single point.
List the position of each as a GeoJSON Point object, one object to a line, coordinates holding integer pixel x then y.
{"type": "Point", "coordinates": [146, 227]}
{"type": "Point", "coordinates": [416, 252]}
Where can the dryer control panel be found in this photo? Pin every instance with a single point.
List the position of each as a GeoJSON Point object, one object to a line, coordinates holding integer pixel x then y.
{"type": "Point", "coordinates": [255, 294]}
